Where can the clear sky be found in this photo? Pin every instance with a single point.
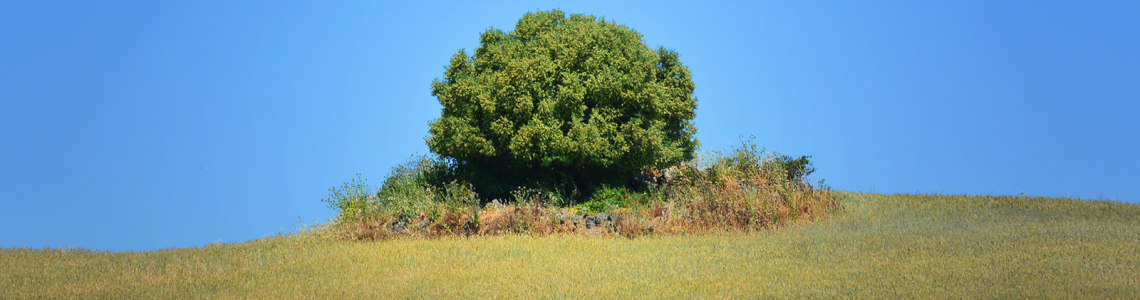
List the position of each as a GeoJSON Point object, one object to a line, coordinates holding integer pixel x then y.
{"type": "Point", "coordinates": [149, 125]}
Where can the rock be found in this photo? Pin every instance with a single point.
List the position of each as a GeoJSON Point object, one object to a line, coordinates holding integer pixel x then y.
{"type": "Point", "coordinates": [590, 222]}
{"type": "Point", "coordinates": [399, 228]}
{"type": "Point", "coordinates": [602, 219]}
{"type": "Point", "coordinates": [671, 174]}
{"type": "Point", "coordinates": [469, 226]}
{"type": "Point", "coordinates": [495, 204]}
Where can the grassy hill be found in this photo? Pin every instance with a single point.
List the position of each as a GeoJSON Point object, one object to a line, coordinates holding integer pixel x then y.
{"type": "Point", "coordinates": [877, 246]}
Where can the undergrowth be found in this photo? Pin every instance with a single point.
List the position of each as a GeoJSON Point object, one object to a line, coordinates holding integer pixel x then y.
{"type": "Point", "coordinates": [745, 189]}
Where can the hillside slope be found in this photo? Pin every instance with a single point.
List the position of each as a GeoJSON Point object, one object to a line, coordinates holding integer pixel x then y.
{"type": "Point", "coordinates": [878, 246]}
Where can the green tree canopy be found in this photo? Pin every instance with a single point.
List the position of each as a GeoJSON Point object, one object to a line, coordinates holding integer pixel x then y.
{"type": "Point", "coordinates": [565, 94]}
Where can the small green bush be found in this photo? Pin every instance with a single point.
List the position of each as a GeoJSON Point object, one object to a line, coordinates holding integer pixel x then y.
{"type": "Point", "coordinates": [794, 169]}
{"type": "Point", "coordinates": [607, 198]}
{"type": "Point", "coordinates": [751, 163]}
{"type": "Point", "coordinates": [352, 198]}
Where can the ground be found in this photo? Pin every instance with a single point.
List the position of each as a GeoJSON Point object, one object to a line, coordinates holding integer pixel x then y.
{"type": "Point", "coordinates": [877, 246]}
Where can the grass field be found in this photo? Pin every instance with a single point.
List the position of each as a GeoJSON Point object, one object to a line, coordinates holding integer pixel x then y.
{"type": "Point", "coordinates": [878, 246]}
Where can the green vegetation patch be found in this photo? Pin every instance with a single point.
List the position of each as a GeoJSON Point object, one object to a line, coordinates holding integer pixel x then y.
{"type": "Point", "coordinates": [572, 125]}
{"type": "Point", "coordinates": [571, 101]}
{"type": "Point", "coordinates": [746, 189]}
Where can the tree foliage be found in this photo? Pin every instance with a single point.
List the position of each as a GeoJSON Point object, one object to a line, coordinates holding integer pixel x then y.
{"type": "Point", "coordinates": [576, 96]}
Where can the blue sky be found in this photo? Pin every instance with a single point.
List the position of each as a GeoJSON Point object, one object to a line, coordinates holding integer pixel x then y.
{"type": "Point", "coordinates": [139, 126]}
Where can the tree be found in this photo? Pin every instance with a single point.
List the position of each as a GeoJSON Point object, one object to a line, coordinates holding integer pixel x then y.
{"type": "Point", "coordinates": [572, 97]}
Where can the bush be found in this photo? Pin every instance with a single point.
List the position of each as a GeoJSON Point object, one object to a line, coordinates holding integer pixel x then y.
{"type": "Point", "coordinates": [794, 170]}
{"type": "Point", "coordinates": [562, 104]}
{"type": "Point", "coordinates": [746, 189]}
{"type": "Point", "coordinates": [751, 163]}
{"type": "Point", "coordinates": [352, 198]}
{"type": "Point", "coordinates": [606, 199]}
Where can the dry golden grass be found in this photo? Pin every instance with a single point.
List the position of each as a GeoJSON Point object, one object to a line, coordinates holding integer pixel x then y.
{"type": "Point", "coordinates": [896, 246]}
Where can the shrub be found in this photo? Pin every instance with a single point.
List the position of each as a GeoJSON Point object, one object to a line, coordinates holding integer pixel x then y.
{"type": "Point", "coordinates": [352, 198]}
{"type": "Point", "coordinates": [606, 198]}
{"type": "Point", "coordinates": [562, 104]}
{"type": "Point", "coordinates": [746, 189]}
{"type": "Point", "coordinates": [752, 163]}
{"type": "Point", "coordinates": [794, 169]}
